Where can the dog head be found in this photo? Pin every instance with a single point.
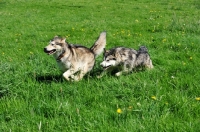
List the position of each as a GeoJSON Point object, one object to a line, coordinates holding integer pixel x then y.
{"type": "Point", "coordinates": [110, 59]}
{"type": "Point", "coordinates": [55, 46]}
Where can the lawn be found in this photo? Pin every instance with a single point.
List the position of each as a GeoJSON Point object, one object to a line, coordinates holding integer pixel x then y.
{"type": "Point", "coordinates": [35, 97]}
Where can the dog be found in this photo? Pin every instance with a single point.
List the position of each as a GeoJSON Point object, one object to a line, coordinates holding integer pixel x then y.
{"type": "Point", "coordinates": [124, 59]}
{"type": "Point", "coordinates": [75, 60]}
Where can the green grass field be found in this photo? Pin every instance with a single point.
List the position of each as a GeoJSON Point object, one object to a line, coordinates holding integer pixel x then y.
{"type": "Point", "coordinates": [35, 97]}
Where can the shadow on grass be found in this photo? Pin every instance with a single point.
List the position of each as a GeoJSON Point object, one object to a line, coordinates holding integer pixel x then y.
{"type": "Point", "coordinates": [92, 74]}
{"type": "Point", "coordinates": [48, 78]}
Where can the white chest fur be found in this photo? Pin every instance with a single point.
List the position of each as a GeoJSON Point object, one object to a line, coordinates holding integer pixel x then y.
{"type": "Point", "coordinates": [64, 65]}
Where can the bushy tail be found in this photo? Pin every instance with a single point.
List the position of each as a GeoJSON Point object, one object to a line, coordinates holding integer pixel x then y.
{"type": "Point", "coordinates": [99, 45]}
{"type": "Point", "coordinates": [143, 49]}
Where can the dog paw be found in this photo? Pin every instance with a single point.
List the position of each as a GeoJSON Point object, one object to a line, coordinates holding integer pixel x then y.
{"type": "Point", "coordinates": [118, 74]}
{"type": "Point", "coordinates": [99, 76]}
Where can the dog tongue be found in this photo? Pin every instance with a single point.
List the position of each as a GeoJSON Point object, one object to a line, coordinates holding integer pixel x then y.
{"type": "Point", "coordinates": [50, 52]}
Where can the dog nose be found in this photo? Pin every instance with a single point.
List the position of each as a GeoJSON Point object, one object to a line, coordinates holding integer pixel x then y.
{"type": "Point", "coordinates": [45, 49]}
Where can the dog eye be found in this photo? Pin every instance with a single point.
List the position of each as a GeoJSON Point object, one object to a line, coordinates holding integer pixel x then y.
{"type": "Point", "coordinates": [60, 44]}
{"type": "Point", "coordinates": [113, 58]}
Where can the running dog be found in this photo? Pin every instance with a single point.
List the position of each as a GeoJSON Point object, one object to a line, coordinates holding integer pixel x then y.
{"type": "Point", "coordinates": [125, 60]}
{"type": "Point", "coordinates": [75, 60]}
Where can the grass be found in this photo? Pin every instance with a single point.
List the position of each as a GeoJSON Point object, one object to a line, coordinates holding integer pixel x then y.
{"type": "Point", "coordinates": [35, 97]}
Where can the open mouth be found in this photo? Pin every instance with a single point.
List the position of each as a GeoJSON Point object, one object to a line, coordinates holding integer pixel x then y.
{"type": "Point", "coordinates": [50, 52]}
{"type": "Point", "coordinates": [106, 67]}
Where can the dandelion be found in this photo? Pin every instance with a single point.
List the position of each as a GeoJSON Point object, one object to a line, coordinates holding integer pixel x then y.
{"type": "Point", "coordinates": [154, 97]}
{"type": "Point", "coordinates": [198, 98]}
{"type": "Point", "coordinates": [119, 111]}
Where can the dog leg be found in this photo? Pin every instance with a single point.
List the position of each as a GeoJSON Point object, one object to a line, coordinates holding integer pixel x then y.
{"type": "Point", "coordinates": [118, 73]}
{"type": "Point", "coordinates": [102, 74]}
{"type": "Point", "coordinates": [68, 73]}
{"type": "Point", "coordinates": [126, 69]}
{"type": "Point", "coordinates": [150, 65]}
{"type": "Point", "coordinates": [79, 76]}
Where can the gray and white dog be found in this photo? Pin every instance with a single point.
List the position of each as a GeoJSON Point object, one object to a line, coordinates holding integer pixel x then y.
{"type": "Point", "coordinates": [125, 59]}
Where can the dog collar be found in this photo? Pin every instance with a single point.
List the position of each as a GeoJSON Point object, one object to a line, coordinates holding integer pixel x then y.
{"type": "Point", "coordinates": [60, 56]}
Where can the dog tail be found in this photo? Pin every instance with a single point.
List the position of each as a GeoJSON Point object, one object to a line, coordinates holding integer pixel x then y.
{"type": "Point", "coordinates": [143, 49]}
{"type": "Point", "coordinates": [99, 45]}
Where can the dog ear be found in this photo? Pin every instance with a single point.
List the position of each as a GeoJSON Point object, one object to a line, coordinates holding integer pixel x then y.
{"type": "Point", "coordinates": [117, 56]}
{"type": "Point", "coordinates": [105, 51]}
{"type": "Point", "coordinates": [62, 40]}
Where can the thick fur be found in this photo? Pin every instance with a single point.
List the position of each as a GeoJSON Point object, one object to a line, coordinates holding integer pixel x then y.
{"type": "Point", "coordinates": [75, 60]}
{"type": "Point", "coordinates": [125, 59]}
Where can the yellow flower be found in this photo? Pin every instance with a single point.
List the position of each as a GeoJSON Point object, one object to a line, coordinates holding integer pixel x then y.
{"type": "Point", "coordinates": [154, 97]}
{"type": "Point", "coordinates": [191, 58]}
{"type": "Point", "coordinates": [119, 111]}
{"type": "Point", "coordinates": [198, 98]}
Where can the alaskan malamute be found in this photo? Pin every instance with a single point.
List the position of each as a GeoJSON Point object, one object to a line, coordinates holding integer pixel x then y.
{"type": "Point", "coordinates": [75, 60]}
{"type": "Point", "coordinates": [125, 59]}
